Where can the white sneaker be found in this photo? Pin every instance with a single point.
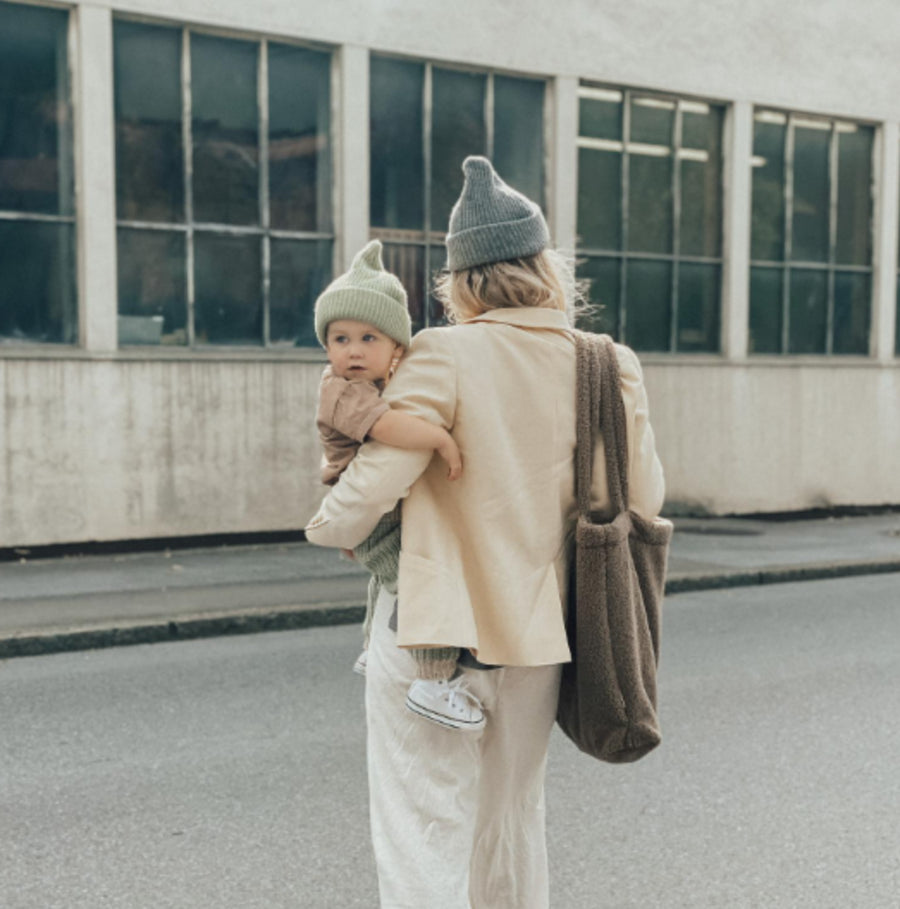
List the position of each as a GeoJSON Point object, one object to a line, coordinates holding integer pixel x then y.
{"type": "Point", "coordinates": [448, 703]}
{"type": "Point", "coordinates": [362, 661]}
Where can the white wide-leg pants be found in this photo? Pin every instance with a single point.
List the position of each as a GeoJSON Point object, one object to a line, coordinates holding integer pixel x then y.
{"type": "Point", "coordinates": [457, 817]}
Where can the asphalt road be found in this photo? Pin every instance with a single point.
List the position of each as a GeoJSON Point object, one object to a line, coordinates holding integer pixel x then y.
{"type": "Point", "coordinates": [229, 773]}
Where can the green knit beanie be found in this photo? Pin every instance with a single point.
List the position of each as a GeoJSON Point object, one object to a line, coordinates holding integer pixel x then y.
{"type": "Point", "coordinates": [366, 293]}
{"type": "Point", "coordinates": [492, 222]}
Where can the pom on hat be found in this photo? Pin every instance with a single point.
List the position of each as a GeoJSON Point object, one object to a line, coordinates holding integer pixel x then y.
{"type": "Point", "coordinates": [491, 221]}
{"type": "Point", "coordinates": [366, 293]}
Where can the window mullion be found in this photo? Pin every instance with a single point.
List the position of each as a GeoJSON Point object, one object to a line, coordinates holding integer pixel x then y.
{"type": "Point", "coordinates": [489, 116]}
{"type": "Point", "coordinates": [832, 236]}
{"type": "Point", "coordinates": [623, 262]}
{"type": "Point", "coordinates": [262, 93]}
{"type": "Point", "coordinates": [788, 234]}
{"type": "Point", "coordinates": [676, 224]}
{"type": "Point", "coordinates": [188, 146]}
{"type": "Point", "coordinates": [427, 109]}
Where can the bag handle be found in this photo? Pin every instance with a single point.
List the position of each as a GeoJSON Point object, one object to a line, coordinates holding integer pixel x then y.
{"type": "Point", "coordinates": [599, 405]}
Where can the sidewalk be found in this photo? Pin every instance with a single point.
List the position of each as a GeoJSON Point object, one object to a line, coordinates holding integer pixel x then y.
{"type": "Point", "coordinates": [74, 603]}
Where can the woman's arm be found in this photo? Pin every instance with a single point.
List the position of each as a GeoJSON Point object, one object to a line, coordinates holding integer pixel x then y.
{"type": "Point", "coordinates": [379, 475]}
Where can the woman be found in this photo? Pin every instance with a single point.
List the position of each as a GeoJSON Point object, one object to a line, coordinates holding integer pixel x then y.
{"type": "Point", "coordinates": [458, 820]}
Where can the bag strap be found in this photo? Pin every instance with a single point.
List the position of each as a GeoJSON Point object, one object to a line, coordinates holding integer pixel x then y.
{"type": "Point", "coordinates": [599, 404]}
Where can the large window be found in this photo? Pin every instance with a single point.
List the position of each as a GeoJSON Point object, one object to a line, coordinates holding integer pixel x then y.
{"type": "Point", "coordinates": [223, 187]}
{"type": "Point", "coordinates": [37, 213]}
{"type": "Point", "coordinates": [425, 120]}
{"type": "Point", "coordinates": [811, 243]}
{"type": "Point", "coordinates": [650, 217]}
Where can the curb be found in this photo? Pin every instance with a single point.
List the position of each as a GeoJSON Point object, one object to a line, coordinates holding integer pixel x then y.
{"type": "Point", "coordinates": [290, 618]}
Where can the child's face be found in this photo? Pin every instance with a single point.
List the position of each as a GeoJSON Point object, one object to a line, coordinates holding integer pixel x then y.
{"type": "Point", "coordinates": [357, 350]}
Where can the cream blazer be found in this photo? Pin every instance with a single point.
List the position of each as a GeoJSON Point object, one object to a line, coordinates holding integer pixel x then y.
{"type": "Point", "coordinates": [483, 561]}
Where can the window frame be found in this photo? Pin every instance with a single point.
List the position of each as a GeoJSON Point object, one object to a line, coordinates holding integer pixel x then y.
{"type": "Point", "coordinates": [791, 119]}
{"type": "Point", "coordinates": [604, 91]}
{"type": "Point", "coordinates": [426, 238]}
{"type": "Point", "coordinates": [264, 231]}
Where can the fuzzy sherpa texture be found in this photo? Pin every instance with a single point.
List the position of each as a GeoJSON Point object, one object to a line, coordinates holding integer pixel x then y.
{"type": "Point", "coordinates": [607, 702]}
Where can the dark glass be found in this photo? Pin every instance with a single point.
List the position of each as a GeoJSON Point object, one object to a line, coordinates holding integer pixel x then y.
{"type": "Point", "coordinates": [228, 289]}
{"type": "Point", "coordinates": [457, 130]}
{"type": "Point", "coordinates": [649, 203]}
{"type": "Point", "coordinates": [299, 146]}
{"type": "Point", "coordinates": [854, 214]}
{"type": "Point", "coordinates": [37, 282]}
{"type": "Point", "coordinates": [599, 119]}
{"type": "Point", "coordinates": [519, 134]}
{"type": "Point", "coordinates": [702, 129]}
{"type": "Point", "coordinates": [811, 199]}
{"type": "Point", "coordinates": [765, 310]}
{"type": "Point", "coordinates": [35, 111]}
{"type": "Point", "coordinates": [698, 307]}
{"type": "Point", "coordinates": [300, 271]}
{"type": "Point", "coordinates": [599, 199]}
{"type": "Point", "coordinates": [225, 130]}
{"type": "Point", "coordinates": [397, 161]}
{"type": "Point", "coordinates": [652, 121]}
{"type": "Point", "coordinates": [604, 278]}
{"type": "Point", "coordinates": [767, 223]}
{"type": "Point", "coordinates": [701, 186]}
{"type": "Point", "coordinates": [852, 305]}
{"type": "Point", "coordinates": [149, 150]}
{"type": "Point", "coordinates": [437, 262]}
{"type": "Point", "coordinates": [152, 287]}
{"type": "Point", "coordinates": [648, 305]}
{"type": "Point", "coordinates": [808, 323]}
{"type": "Point", "coordinates": [408, 264]}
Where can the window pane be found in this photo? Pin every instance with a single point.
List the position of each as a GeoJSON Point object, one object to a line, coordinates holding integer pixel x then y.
{"type": "Point", "coordinates": [854, 215]}
{"type": "Point", "coordinates": [767, 225]}
{"type": "Point", "coordinates": [810, 227]}
{"type": "Point", "coordinates": [701, 126]}
{"type": "Point", "coordinates": [701, 184]}
{"type": "Point", "coordinates": [765, 310]}
{"type": "Point", "coordinates": [397, 171]}
{"type": "Point", "coordinates": [35, 126]}
{"type": "Point", "coordinates": [650, 203]}
{"type": "Point", "coordinates": [648, 305]}
{"type": "Point", "coordinates": [152, 287]}
{"type": "Point", "coordinates": [300, 271]}
{"type": "Point", "coordinates": [37, 282]}
{"type": "Point", "coordinates": [519, 134]}
{"type": "Point", "coordinates": [227, 283]}
{"type": "Point", "coordinates": [225, 130]}
{"type": "Point", "coordinates": [600, 119]}
{"type": "Point", "coordinates": [149, 151]}
{"type": "Point", "coordinates": [599, 199]}
{"type": "Point", "coordinates": [852, 296]}
{"type": "Point", "coordinates": [652, 120]}
{"type": "Point", "coordinates": [809, 317]}
{"type": "Point", "coordinates": [457, 130]}
{"type": "Point", "coordinates": [299, 148]}
{"type": "Point", "coordinates": [603, 277]}
{"type": "Point", "coordinates": [408, 264]}
{"type": "Point", "coordinates": [698, 307]}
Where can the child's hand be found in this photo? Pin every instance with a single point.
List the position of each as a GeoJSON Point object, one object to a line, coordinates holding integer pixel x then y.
{"type": "Point", "coordinates": [449, 451]}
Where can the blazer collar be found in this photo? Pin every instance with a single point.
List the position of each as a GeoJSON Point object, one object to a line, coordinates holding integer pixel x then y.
{"type": "Point", "coordinates": [526, 317]}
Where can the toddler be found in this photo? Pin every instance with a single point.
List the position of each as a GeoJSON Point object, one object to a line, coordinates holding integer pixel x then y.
{"type": "Point", "coordinates": [363, 323]}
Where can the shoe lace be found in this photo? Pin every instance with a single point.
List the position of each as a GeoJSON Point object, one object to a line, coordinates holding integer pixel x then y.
{"type": "Point", "coordinates": [458, 695]}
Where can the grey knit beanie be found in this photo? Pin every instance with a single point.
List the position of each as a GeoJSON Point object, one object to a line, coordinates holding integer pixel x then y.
{"type": "Point", "coordinates": [366, 293]}
{"type": "Point", "coordinates": [492, 222]}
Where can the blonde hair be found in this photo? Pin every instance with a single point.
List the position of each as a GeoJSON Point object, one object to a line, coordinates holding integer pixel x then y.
{"type": "Point", "coordinates": [545, 280]}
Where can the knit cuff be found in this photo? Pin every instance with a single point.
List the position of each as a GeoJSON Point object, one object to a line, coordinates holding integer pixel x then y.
{"type": "Point", "coordinates": [435, 662]}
